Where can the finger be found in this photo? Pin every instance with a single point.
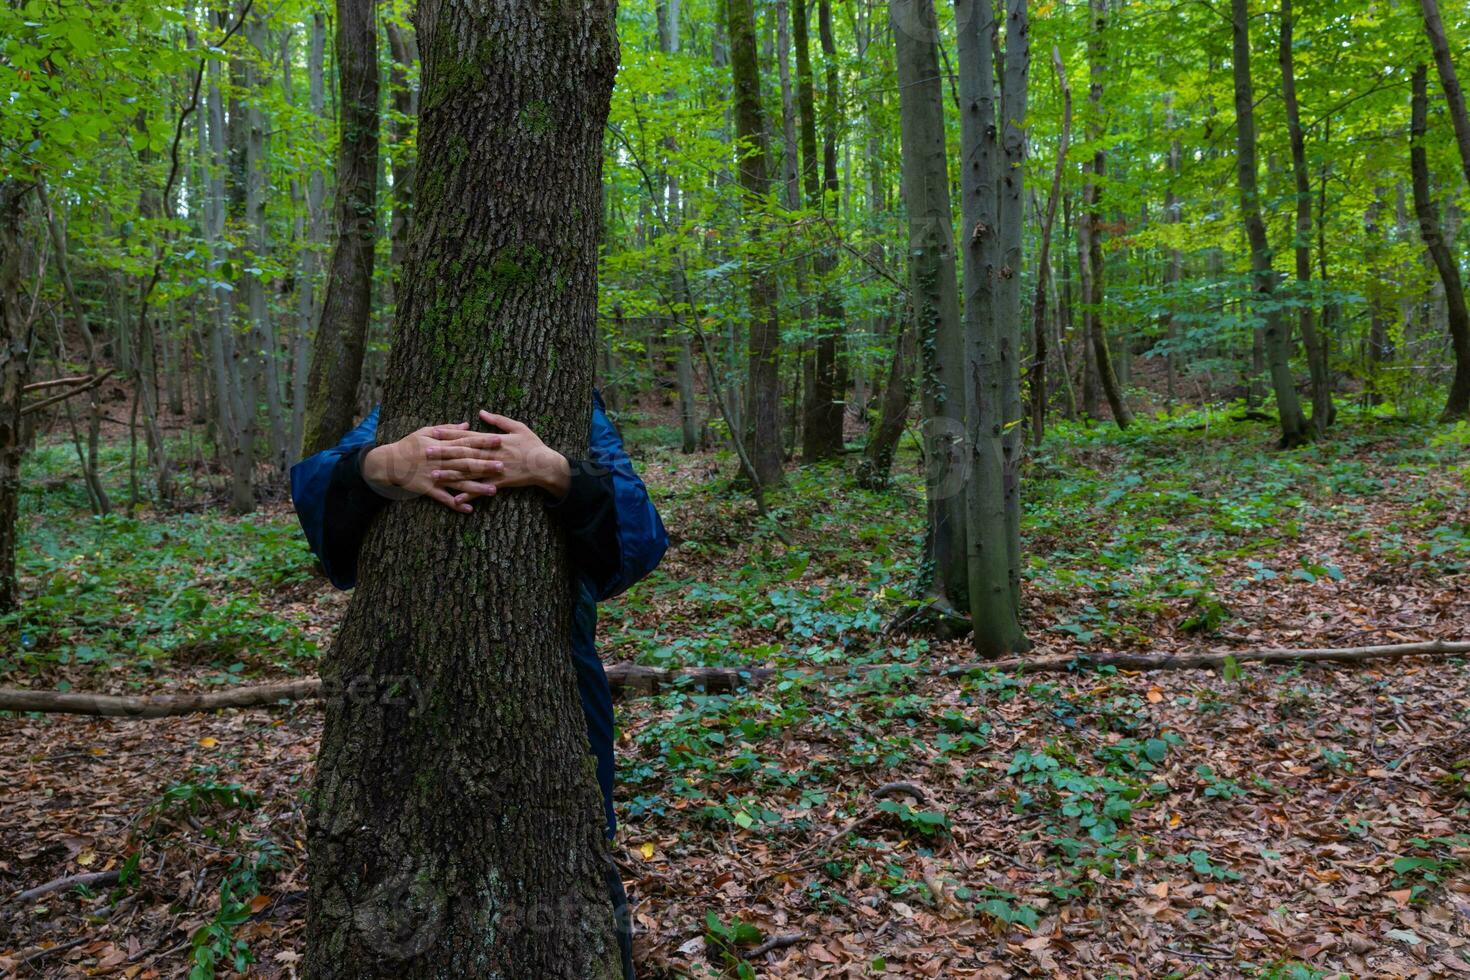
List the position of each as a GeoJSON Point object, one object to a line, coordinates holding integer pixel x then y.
{"type": "Point", "coordinates": [473, 441]}
{"type": "Point", "coordinates": [503, 423]}
{"type": "Point", "coordinates": [453, 503]}
{"type": "Point", "coordinates": [462, 449]}
{"type": "Point", "coordinates": [448, 431]}
{"type": "Point", "coordinates": [474, 487]}
{"type": "Point", "coordinates": [458, 469]}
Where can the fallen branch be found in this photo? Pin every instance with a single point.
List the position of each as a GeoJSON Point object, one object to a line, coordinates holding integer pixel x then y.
{"type": "Point", "coordinates": [636, 679]}
{"type": "Point", "coordinates": [70, 881]}
{"type": "Point", "coordinates": [154, 705]}
{"type": "Point", "coordinates": [774, 943]}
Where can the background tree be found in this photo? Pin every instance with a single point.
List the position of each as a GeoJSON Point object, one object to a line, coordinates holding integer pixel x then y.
{"type": "Point", "coordinates": [1277, 328]}
{"type": "Point", "coordinates": [1457, 317]}
{"type": "Point", "coordinates": [762, 403]}
{"type": "Point", "coordinates": [935, 295]}
{"type": "Point", "coordinates": [336, 363]}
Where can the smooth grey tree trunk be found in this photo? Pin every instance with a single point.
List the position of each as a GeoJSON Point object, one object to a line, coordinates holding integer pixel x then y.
{"type": "Point", "coordinates": [456, 828]}
{"type": "Point", "coordinates": [1039, 310]}
{"type": "Point", "coordinates": [993, 611]}
{"type": "Point", "coordinates": [935, 297]}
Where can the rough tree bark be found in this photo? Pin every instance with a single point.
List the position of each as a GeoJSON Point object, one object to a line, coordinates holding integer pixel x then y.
{"type": "Point", "coordinates": [1277, 329]}
{"type": "Point", "coordinates": [1090, 224]}
{"type": "Point", "coordinates": [456, 827]}
{"type": "Point", "coordinates": [15, 369]}
{"type": "Point", "coordinates": [935, 296]}
{"type": "Point", "coordinates": [1322, 410]}
{"type": "Point", "coordinates": [341, 336]}
{"type": "Point", "coordinates": [762, 393]}
{"type": "Point", "coordinates": [1457, 402]}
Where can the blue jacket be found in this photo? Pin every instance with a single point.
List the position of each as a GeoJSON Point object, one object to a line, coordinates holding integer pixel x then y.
{"type": "Point", "coordinates": [614, 534]}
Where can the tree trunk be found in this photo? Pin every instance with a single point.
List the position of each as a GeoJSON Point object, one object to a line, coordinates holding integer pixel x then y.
{"type": "Point", "coordinates": [1454, 95]}
{"type": "Point", "coordinates": [934, 294]}
{"type": "Point", "coordinates": [1322, 410]}
{"type": "Point", "coordinates": [1043, 262]}
{"type": "Point", "coordinates": [306, 296]}
{"type": "Point", "coordinates": [341, 336]}
{"type": "Point", "coordinates": [257, 186]}
{"type": "Point", "coordinates": [96, 493]}
{"type": "Point", "coordinates": [405, 99]}
{"type": "Point", "coordinates": [996, 624]}
{"type": "Point", "coordinates": [1278, 341]}
{"type": "Point", "coordinates": [825, 403]}
{"type": "Point", "coordinates": [1175, 274]}
{"type": "Point", "coordinates": [877, 466]}
{"type": "Point", "coordinates": [762, 405]}
{"type": "Point", "coordinates": [1014, 94]}
{"type": "Point", "coordinates": [234, 427]}
{"type": "Point", "coordinates": [15, 367]}
{"type": "Point", "coordinates": [1092, 223]}
{"type": "Point", "coordinates": [1457, 403]}
{"type": "Point", "coordinates": [456, 828]}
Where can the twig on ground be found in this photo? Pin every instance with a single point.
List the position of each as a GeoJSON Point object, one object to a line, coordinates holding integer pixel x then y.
{"type": "Point", "coordinates": [775, 942]}
{"type": "Point", "coordinates": [89, 879]}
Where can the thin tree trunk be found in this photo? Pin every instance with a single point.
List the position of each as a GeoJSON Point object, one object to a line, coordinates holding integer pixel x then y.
{"type": "Point", "coordinates": [877, 466]}
{"type": "Point", "coordinates": [1457, 402]}
{"type": "Point", "coordinates": [1278, 341]}
{"type": "Point", "coordinates": [1175, 274]}
{"type": "Point", "coordinates": [96, 493]}
{"type": "Point", "coordinates": [1322, 410]}
{"type": "Point", "coordinates": [935, 296]}
{"type": "Point", "coordinates": [825, 404]}
{"type": "Point", "coordinates": [455, 828]}
{"type": "Point", "coordinates": [257, 184]}
{"type": "Point", "coordinates": [1454, 95]}
{"type": "Point", "coordinates": [15, 328]}
{"type": "Point", "coordinates": [1092, 222]}
{"type": "Point", "coordinates": [1039, 310]}
{"type": "Point", "coordinates": [307, 310]}
{"type": "Point", "coordinates": [405, 100]}
{"type": "Point", "coordinates": [341, 336]}
{"type": "Point", "coordinates": [762, 405]}
{"type": "Point", "coordinates": [233, 426]}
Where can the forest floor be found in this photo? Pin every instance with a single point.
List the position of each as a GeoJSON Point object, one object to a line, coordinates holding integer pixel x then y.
{"type": "Point", "coordinates": [1308, 821]}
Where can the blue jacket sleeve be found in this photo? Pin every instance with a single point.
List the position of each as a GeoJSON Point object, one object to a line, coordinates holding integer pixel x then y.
{"type": "Point", "coordinates": [335, 533]}
{"type": "Point", "coordinates": [613, 546]}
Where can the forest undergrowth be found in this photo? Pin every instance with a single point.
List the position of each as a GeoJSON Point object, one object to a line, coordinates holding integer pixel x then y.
{"type": "Point", "coordinates": [890, 820]}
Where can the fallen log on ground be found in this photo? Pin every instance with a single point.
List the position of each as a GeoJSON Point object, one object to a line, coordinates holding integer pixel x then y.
{"type": "Point", "coordinates": [636, 679]}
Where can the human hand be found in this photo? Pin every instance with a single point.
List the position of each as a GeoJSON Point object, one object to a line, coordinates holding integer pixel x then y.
{"type": "Point", "coordinates": [410, 463]}
{"type": "Point", "coordinates": [478, 464]}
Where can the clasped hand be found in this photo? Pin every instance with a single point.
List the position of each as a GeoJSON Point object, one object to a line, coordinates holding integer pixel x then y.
{"type": "Point", "coordinates": [454, 466]}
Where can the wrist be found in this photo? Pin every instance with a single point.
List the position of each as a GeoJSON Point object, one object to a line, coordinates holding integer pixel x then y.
{"type": "Point", "coordinates": [377, 466]}
{"type": "Point", "coordinates": [556, 476]}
